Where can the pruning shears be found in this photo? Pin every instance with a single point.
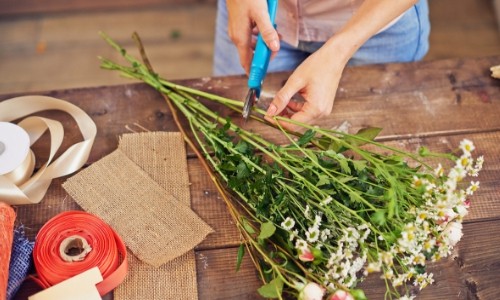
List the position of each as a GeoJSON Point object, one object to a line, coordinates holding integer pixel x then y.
{"type": "Point", "coordinates": [260, 62]}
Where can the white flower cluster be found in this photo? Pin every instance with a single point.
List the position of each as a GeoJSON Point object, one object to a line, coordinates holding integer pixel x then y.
{"type": "Point", "coordinates": [349, 259]}
{"type": "Point", "coordinates": [438, 223]}
{"type": "Point", "coordinates": [436, 227]}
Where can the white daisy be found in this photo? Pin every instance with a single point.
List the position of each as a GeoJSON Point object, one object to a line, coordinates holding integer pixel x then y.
{"type": "Point", "coordinates": [467, 146]}
{"type": "Point", "coordinates": [288, 223]}
{"type": "Point", "coordinates": [312, 234]}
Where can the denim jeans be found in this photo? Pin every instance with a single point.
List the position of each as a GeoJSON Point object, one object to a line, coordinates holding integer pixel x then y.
{"type": "Point", "coordinates": [405, 41]}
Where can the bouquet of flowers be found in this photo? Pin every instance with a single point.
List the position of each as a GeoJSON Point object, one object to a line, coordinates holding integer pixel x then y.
{"type": "Point", "coordinates": [327, 209]}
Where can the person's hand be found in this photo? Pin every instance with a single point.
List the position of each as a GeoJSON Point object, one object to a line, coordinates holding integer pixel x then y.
{"type": "Point", "coordinates": [248, 17]}
{"type": "Point", "coordinates": [316, 80]}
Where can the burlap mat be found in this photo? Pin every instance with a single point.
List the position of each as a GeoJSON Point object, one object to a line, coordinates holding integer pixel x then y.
{"type": "Point", "coordinates": [162, 155]}
{"type": "Point", "coordinates": [173, 280]}
{"type": "Point", "coordinates": [155, 226]}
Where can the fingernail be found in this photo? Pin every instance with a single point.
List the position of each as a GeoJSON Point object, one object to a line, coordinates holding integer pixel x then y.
{"type": "Point", "coordinates": [271, 110]}
{"type": "Point", "coordinates": [275, 45]}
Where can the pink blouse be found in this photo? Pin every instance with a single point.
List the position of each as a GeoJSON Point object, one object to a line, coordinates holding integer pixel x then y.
{"type": "Point", "coordinates": [314, 20]}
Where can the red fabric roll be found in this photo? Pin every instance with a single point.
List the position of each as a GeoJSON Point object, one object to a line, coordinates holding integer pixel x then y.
{"type": "Point", "coordinates": [108, 250]}
{"type": "Point", "coordinates": [7, 217]}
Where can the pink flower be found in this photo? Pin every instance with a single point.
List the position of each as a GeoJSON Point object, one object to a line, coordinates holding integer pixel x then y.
{"type": "Point", "coordinates": [312, 291]}
{"type": "Point", "coordinates": [341, 295]}
{"type": "Point", "coordinates": [306, 255]}
{"type": "Point", "coordinates": [467, 203]}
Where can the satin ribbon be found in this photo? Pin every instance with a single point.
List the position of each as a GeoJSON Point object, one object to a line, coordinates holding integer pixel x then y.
{"type": "Point", "coordinates": [21, 186]}
{"type": "Point", "coordinates": [108, 251]}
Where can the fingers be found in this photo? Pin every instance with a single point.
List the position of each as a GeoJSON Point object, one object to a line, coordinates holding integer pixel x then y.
{"type": "Point", "coordinates": [307, 115]}
{"type": "Point", "coordinates": [240, 34]}
{"type": "Point", "coordinates": [267, 31]}
{"type": "Point", "coordinates": [295, 106]}
{"type": "Point", "coordinates": [282, 98]}
{"type": "Point", "coordinates": [314, 107]}
{"type": "Point", "coordinates": [245, 18]}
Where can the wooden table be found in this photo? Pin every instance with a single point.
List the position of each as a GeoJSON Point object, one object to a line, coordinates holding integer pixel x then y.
{"type": "Point", "coordinates": [433, 103]}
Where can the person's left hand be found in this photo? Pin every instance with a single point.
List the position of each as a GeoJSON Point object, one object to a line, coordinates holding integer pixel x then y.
{"type": "Point", "coordinates": [316, 80]}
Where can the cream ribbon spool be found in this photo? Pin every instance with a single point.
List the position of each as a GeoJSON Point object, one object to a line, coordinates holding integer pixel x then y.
{"type": "Point", "coordinates": [20, 185]}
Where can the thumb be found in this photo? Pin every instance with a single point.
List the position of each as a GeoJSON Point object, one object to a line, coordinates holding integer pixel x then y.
{"type": "Point", "coordinates": [267, 31]}
{"type": "Point", "coordinates": [283, 96]}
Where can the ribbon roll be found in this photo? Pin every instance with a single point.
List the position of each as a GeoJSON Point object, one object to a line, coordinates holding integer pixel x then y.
{"type": "Point", "coordinates": [20, 186]}
{"type": "Point", "coordinates": [74, 242]}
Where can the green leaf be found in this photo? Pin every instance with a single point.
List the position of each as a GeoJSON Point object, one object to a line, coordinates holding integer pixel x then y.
{"type": "Point", "coordinates": [247, 226]}
{"type": "Point", "coordinates": [358, 294]}
{"type": "Point", "coordinates": [242, 170]}
{"type": "Point", "coordinates": [378, 217]}
{"type": "Point", "coordinates": [227, 125]}
{"type": "Point", "coordinates": [228, 166]}
{"type": "Point", "coordinates": [312, 156]}
{"type": "Point", "coordinates": [369, 133]}
{"type": "Point", "coordinates": [344, 165]}
{"type": "Point", "coordinates": [423, 151]}
{"type": "Point", "coordinates": [241, 147]}
{"type": "Point", "coordinates": [318, 256]}
{"type": "Point", "coordinates": [355, 196]}
{"type": "Point", "coordinates": [306, 137]}
{"type": "Point", "coordinates": [273, 289]}
{"type": "Point", "coordinates": [329, 144]}
{"type": "Point", "coordinates": [330, 153]}
{"type": "Point", "coordinates": [345, 179]}
{"type": "Point", "coordinates": [239, 259]}
{"type": "Point", "coordinates": [323, 179]}
{"type": "Point", "coordinates": [359, 165]}
{"type": "Point", "coordinates": [267, 230]}
{"type": "Point", "coordinates": [298, 169]}
{"type": "Point", "coordinates": [390, 196]}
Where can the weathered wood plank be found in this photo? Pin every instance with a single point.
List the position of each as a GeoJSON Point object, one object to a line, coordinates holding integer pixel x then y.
{"type": "Point", "coordinates": [471, 272]}
{"type": "Point", "coordinates": [169, 58]}
{"type": "Point", "coordinates": [13, 7]}
{"type": "Point", "coordinates": [217, 278]}
{"type": "Point", "coordinates": [66, 58]}
{"type": "Point", "coordinates": [155, 25]}
{"type": "Point", "coordinates": [472, 31]}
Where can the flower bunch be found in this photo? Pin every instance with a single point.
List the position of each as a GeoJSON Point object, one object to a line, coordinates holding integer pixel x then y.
{"type": "Point", "coordinates": [327, 209]}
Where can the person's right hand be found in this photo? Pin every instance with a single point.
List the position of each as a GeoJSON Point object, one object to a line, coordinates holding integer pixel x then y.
{"type": "Point", "coordinates": [248, 17]}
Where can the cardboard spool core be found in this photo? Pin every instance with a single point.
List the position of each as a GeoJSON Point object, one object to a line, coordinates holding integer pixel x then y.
{"type": "Point", "coordinates": [74, 248]}
{"type": "Point", "coordinates": [2, 147]}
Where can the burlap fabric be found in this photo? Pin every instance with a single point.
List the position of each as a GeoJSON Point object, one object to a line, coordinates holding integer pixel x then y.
{"type": "Point", "coordinates": [162, 221]}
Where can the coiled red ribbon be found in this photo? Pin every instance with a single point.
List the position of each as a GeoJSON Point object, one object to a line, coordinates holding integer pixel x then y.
{"type": "Point", "coordinates": [108, 252]}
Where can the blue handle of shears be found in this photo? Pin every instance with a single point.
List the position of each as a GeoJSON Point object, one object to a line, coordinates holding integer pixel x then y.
{"type": "Point", "coordinates": [262, 54]}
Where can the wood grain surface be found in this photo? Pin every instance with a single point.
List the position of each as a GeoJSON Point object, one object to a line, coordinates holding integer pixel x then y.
{"type": "Point", "coordinates": [432, 103]}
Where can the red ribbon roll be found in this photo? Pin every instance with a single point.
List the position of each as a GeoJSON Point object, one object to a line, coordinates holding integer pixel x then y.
{"type": "Point", "coordinates": [68, 230]}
